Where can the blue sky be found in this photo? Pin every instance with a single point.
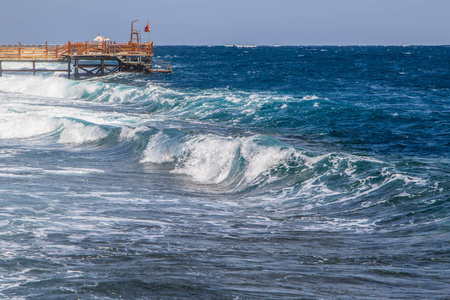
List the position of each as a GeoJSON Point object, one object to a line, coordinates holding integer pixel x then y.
{"type": "Point", "coordinates": [225, 22]}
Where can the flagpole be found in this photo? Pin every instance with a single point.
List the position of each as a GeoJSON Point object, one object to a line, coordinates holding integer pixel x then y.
{"type": "Point", "coordinates": [148, 31]}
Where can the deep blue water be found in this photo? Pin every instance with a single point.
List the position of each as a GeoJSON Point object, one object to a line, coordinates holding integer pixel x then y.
{"type": "Point", "coordinates": [247, 173]}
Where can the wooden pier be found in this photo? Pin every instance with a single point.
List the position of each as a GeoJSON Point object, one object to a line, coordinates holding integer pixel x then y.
{"type": "Point", "coordinates": [91, 58]}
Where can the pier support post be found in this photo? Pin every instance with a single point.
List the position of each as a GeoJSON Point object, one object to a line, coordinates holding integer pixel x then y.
{"type": "Point", "coordinates": [1, 70]}
{"type": "Point", "coordinates": [76, 67]}
{"type": "Point", "coordinates": [68, 67]}
{"type": "Point", "coordinates": [34, 67]}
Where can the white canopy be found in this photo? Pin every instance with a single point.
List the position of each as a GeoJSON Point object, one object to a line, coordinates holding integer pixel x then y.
{"type": "Point", "coordinates": [100, 38]}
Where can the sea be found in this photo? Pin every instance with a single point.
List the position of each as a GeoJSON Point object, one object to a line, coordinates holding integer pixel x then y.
{"type": "Point", "coordinates": [250, 172]}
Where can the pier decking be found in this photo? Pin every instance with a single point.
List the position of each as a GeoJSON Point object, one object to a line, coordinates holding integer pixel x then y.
{"type": "Point", "coordinates": [94, 58]}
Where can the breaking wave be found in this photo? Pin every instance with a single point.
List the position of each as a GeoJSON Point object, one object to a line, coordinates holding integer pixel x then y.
{"type": "Point", "coordinates": [260, 165]}
{"type": "Point", "coordinates": [33, 126]}
{"type": "Point", "coordinates": [224, 105]}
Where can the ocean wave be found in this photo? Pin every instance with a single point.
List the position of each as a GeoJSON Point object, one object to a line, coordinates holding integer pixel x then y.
{"type": "Point", "coordinates": [159, 150]}
{"type": "Point", "coordinates": [260, 164]}
{"type": "Point", "coordinates": [219, 105]}
{"type": "Point", "coordinates": [257, 165]}
{"type": "Point", "coordinates": [47, 86]}
{"type": "Point", "coordinates": [23, 126]}
{"type": "Point", "coordinates": [26, 126]}
{"type": "Point", "coordinates": [95, 90]}
{"type": "Point", "coordinates": [79, 133]}
{"type": "Point", "coordinates": [211, 159]}
{"type": "Point", "coordinates": [59, 87]}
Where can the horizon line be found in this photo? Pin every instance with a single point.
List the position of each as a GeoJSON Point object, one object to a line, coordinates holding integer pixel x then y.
{"type": "Point", "coordinates": [306, 45]}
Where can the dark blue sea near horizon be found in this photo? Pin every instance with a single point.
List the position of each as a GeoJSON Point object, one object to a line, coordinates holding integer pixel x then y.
{"type": "Point", "coordinates": [247, 173]}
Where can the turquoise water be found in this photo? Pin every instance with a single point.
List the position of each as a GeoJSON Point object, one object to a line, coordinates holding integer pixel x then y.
{"type": "Point", "coordinates": [249, 172]}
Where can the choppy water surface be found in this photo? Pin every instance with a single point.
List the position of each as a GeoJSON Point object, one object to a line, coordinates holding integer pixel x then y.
{"type": "Point", "coordinates": [250, 172]}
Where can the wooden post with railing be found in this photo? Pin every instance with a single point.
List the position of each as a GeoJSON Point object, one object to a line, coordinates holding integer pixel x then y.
{"type": "Point", "coordinates": [18, 52]}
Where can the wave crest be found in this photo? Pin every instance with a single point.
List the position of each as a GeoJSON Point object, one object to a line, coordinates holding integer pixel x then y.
{"type": "Point", "coordinates": [261, 165]}
{"type": "Point", "coordinates": [24, 126]}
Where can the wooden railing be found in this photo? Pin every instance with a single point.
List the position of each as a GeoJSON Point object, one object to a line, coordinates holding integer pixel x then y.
{"type": "Point", "coordinates": [61, 52]}
{"type": "Point", "coordinates": [29, 52]}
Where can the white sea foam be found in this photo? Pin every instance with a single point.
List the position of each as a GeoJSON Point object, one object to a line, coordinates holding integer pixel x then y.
{"type": "Point", "coordinates": [128, 133]}
{"type": "Point", "coordinates": [51, 86]}
{"type": "Point", "coordinates": [12, 175]}
{"type": "Point", "coordinates": [261, 159]}
{"type": "Point", "coordinates": [19, 172]}
{"type": "Point", "coordinates": [112, 93]}
{"type": "Point", "coordinates": [59, 87]}
{"type": "Point", "coordinates": [211, 159]}
{"type": "Point", "coordinates": [208, 159]}
{"type": "Point", "coordinates": [46, 114]}
{"type": "Point", "coordinates": [310, 97]}
{"type": "Point", "coordinates": [21, 126]}
{"type": "Point", "coordinates": [339, 224]}
{"type": "Point", "coordinates": [78, 133]}
{"type": "Point", "coordinates": [26, 126]}
{"type": "Point", "coordinates": [158, 150]}
{"type": "Point", "coordinates": [73, 171]}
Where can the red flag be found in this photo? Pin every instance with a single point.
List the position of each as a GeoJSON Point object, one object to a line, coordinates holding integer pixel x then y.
{"type": "Point", "coordinates": [147, 28]}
